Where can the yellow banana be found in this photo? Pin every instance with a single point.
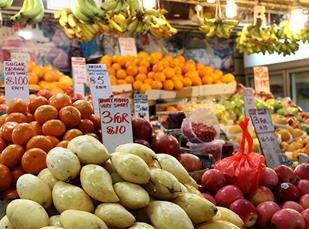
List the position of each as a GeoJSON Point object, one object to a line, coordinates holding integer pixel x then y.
{"type": "Point", "coordinates": [115, 26]}
{"type": "Point", "coordinates": [119, 18]}
{"type": "Point", "coordinates": [71, 21]}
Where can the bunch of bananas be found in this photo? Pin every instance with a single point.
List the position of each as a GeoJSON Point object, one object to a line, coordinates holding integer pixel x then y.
{"type": "Point", "coordinates": [31, 12]}
{"type": "Point", "coordinates": [288, 39]}
{"type": "Point", "coordinates": [87, 11]}
{"type": "Point", "coordinates": [4, 4]}
{"type": "Point", "coordinates": [305, 35]}
{"type": "Point", "coordinates": [218, 27]}
{"type": "Point", "coordinates": [74, 28]}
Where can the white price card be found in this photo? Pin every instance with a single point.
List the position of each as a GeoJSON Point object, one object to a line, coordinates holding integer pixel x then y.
{"type": "Point", "coordinates": [116, 122]}
{"type": "Point", "coordinates": [141, 106]}
{"type": "Point", "coordinates": [20, 56]}
{"type": "Point", "coordinates": [261, 79]}
{"type": "Point", "coordinates": [127, 46]}
{"type": "Point", "coordinates": [249, 102]}
{"type": "Point", "coordinates": [265, 132]}
{"type": "Point", "coordinates": [100, 86]}
{"type": "Point", "coordinates": [16, 80]}
{"type": "Point", "coordinates": [79, 74]}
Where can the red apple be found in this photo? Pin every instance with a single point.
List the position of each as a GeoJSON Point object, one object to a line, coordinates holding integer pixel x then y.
{"type": "Point", "coordinates": [261, 194]}
{"type": "Point", "coordinates": [209, 197]}
{"type": "Point", "coordinates": [269, 178]}
{"type": "Point", "coordinates": [142, 129]}
{"type": "Point", "coordinates": [293, 205]}
{"type": "Point", "coordinates": [285, 174]}
{"type": "Point", "coordinates": [288, 191]}
{"type": "Point", "coordinates": [246, 211]}
{"type": "Point", "coordinates": [265, 211]}
{"type": "Point", "coordinates": [213, 180]}
{"type": "Point", "coordinates": [302, 171]}
{"type": "Point", "coordinates": [303, 186]}
{"type": "Point", "coordinates": [190, 162]}
{"type": "Point", "coordinates": [305, 214]}
{"type": "Point", "coordinates": [287, 219]}
{"type": "Point", "coordinates": [304, 201]}
{"type": "Point", "coordinates": [164, 143]}
{"type": "Point", "coordinates": [227, 195]}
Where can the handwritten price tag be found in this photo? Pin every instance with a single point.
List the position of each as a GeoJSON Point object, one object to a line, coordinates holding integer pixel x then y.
{"type": "Point", "coordinates": [261, 79]}
{"type": "Point", "coordinates": [79, 74]}
{"type": "Point", "coordinates": [127, 46]}
{"type": "Point", "coordinates": [20, 56]}
{"type": "Point", "coordinates": [248, 100]}
{"type": "Point", "coordinates": [16, 80]}
{"type": "Point", "coordinates": [100, 86]}
{"type": "Point", "coordinates": [116, 122]}
{"type": "Point", "coordinates": [266, 134]}
{"type": "Point", "coordinates": [141, 106]}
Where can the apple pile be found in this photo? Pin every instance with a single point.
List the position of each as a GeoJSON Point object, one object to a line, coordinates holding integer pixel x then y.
{"type": "Point", "coordinates": [280, 202]}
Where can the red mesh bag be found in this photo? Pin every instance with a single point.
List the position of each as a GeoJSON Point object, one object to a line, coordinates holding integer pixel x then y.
{"type": "Point", "coordinates": [243, 169]}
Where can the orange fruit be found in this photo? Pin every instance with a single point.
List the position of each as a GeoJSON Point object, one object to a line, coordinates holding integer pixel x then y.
{"type": "Point", "coordinates": [17, 172]}
{"type": "Point", "coordinates": [159, 76]}
{"type": "Point", "coordinates": [33, 78]}
{"type": "Point", "coordinates": [51, 76]}
{"type": "Point", "coordinates": [11, 155]}
{"type": "Point", "coordinates": [106, 59]}
{"type": "Point", "coordinates": [70, 116]}
{"type": "Point", "coordinates": [188, 67]}
{"type": "Point", "coordinates": [120, 82]}
{"type": "Point", "coordinates": [111, 71]}
{"type": "Point", "coordinates": [36, 127]}
{"type": "Point", "coordinates": [196, 81]}
{"type": "Point", "coordinates": [35, 101]}
{"type": "Point", "coordinates": [143, 54]}
{"type": "Point", "coordinates": [70, 134]}
{"type": "Point", "coordinates": [158, 67]}
{"type": "Point", "coordinates": [142, 69]}
{"type": "Point", "coordinates": [44, 113]}
{"type": "Point", "coordinates": [168, 85]}
{"type": "Point", "coordinates": [113, 81]}
{"type": "Point", "coordinates": [199, 66]}
{"type": "Point", "coordinates": [216, 75]}
{"type": "Point", "coordinates": [30, 117]}
{"type": "Point", "coordinates": [2, 119]}
{"type": "Point", "coordinates": [16, 105]}
{"type": "Point", "coordinates": [16, 117]}
{"type": "Point", "coordinates": [206, 71]}
{"type": "Point", "coordinates": [148, 81]}
{"type": "Point", "coordinates": [22, 133]}
{"type": "Point", "coordinates": [63, 144]}
{"type": "Point", "coordinates": [60, 100]}
{"type": "Point", "coordinates": [53, 140]}
{"type": "Point", "coordinates": [84, 107]}
{"type": "Point", "coordinates": [96, 121]}
{"type": "Point", "coordinates": [2, 144]}
{"type": "Point", "coordinates": [178, 84]}
{"type": "Point", "coordinates": [121, 74]}
{"type": "Point", "coordinates": [40, 141]}
{"type": "Point", "coordinates": [207, 80]}
{"type": "Point", "coordinates": [187, 82]}
{"type": "Point", "coordinates": [86, 126]}
{"type": "Point", "coordinates": [132, 70]}
{"type": "Point", "coordinates": [156, 84]}
{"type": "Point", "coordinates": [6, 177]}
{"type": "Point", "coordinates": [6, 130]}
{"type": "Point", "coordinates": [53, 127]}
{"type": "Point", "coordinates": [56, 90]}
{"type": "Point", "coordinates": [116, 66]}
{"type": "Point", "coordinates": [65, 82]}
{"type": "Point", "coordinates": [137, 85]}
{"type": "Point", "coordinates": [141, 77]}
{"type": "Point", "coordinates": [129, 79]}
{"type": "Point", "coordinates": [192, 75]}
{"type": "Point", "coordinates": [156, 56]}
{"type": "Point", "coordinates": [150, 75]}
{"type": "Point", "coordinates": [181, 59]}
{"type": "Point", "coordinates": [171, 109]}
{"type": "Point", "coordinates": [145, 87]}
{"type": "Point", "coordinates": [145, 63]}
{"type": "Point", "coordinates": [34, 160]}
{"type": "Point", "coordinates": [169, 73]}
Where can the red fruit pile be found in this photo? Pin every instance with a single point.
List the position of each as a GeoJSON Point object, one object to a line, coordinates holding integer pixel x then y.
{"type": "Point", "coordinates": [204, 132]}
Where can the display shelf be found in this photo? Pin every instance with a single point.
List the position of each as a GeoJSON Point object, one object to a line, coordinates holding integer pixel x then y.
{"type": "Point", "coordinates": [160, 94]}
{"type": "Point", "coordinates": [120, 89]}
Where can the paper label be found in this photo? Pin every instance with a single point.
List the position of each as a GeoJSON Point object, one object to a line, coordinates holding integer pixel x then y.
{"type": "Point", "coordinates": [249, 102]}
{"type": "Point", "coordinates": [16, 80]}
{"type": "Point", "coordinates": [116, 122]}
{"type": "Point", "coordinates": [20, 56]}
{"type": "Point", "coordinates": [79, 72]}
{"type": "Point", "coordinates": [261, 79]}
{"type": "Point", "coordinates": [141, 106]}
{"type": "Point", "coordinates": [127, 46]}
{"type": "Point", "coordinates": [265, 132]}
{"type": "Point", "coordinates": [100, 86]}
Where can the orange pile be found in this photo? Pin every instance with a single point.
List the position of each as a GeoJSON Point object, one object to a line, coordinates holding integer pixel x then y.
{"type": "Point", "coordinates": [156, 71]}
{"type": "Point", "coordinates": [46, 77]}
{"type": "Point", "coordinates": [29, 131]}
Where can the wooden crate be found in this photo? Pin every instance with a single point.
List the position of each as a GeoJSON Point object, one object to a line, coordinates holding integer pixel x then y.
{"type": "Point", "coordinates": [160, 94]}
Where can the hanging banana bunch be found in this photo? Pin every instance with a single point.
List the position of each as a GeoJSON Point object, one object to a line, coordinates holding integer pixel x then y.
{"type": "Point", "coordinates": [5, 4]}
{"type": "Point", "coordinates": [31, 12]}
{"type": "Point", "coordinates": [305, 35]}
{"type": "Point", "coordinates": [87, 11]}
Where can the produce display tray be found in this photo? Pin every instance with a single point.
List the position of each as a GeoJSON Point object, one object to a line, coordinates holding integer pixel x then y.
{"type": "Point", "coordinates": [160, 94]}
{"type": "Point", "coordinates": [122, 88]}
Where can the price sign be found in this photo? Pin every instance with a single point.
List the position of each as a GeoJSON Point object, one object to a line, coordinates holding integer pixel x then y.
{"type": "Point", "coordinates": [141, 106]}
{"type": "Point", "coordinates": [261, 79]}
{"type": "Point", "coordinates": [248, 100]}
{"type": "Point", "coordinates": [265, 132]}
{"type": "Point", "coordinates": [16, 80]}
{"type": "Point", "coordinates": [127, 46]}
{"type": "Point", "coordinates": [79, 74]}
{"type": "Point", "coordinates": [20, 56]}
{"type": "Point", "coordinates": [116, 122]}
{"type": "Point", "coordinates": [100, 86]}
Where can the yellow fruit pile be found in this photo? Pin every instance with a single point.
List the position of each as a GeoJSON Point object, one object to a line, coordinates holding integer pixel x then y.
{"type": "Point", "coordinates": [46, 77]}
{"type": "Point", "coordinates": [156, 71]}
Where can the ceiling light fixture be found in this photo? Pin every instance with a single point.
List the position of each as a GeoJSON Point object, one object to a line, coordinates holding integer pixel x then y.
{"type": "Point", "coordinates": [211, 1]}
{"type": "Point", "coordinates": [230, 9]}
{"type": "Point", "coordinates": [149, 4]}
{"type": "Point", "coordinates": [297, 19]}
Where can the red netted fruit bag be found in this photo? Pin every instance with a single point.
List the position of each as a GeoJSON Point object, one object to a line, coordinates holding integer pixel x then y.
{"type": "Point", "coordinates": [243, 169]}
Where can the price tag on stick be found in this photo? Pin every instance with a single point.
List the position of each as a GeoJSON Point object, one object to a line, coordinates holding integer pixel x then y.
{"type": "Point", "coordinates": [141, 106]}
{"type": "Point", "coordinates": [20, 56]}
{"type": "Point", "coordinates": [79, 74]}
{"type": "Point", "coordinates": [261, 80]}
{"type": "Point", "coordinates": [16, 80]}
{"type": "Point", "coordinates": [249, 102]}
{"type": "Point", "coordinates": [100, 86]}
{"type": "Point", "coordinates": [116, 122]}
{"type": "Point", "coordinates": [127, 46]}
{"type": "Point", "coordinates": [265, 132]}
